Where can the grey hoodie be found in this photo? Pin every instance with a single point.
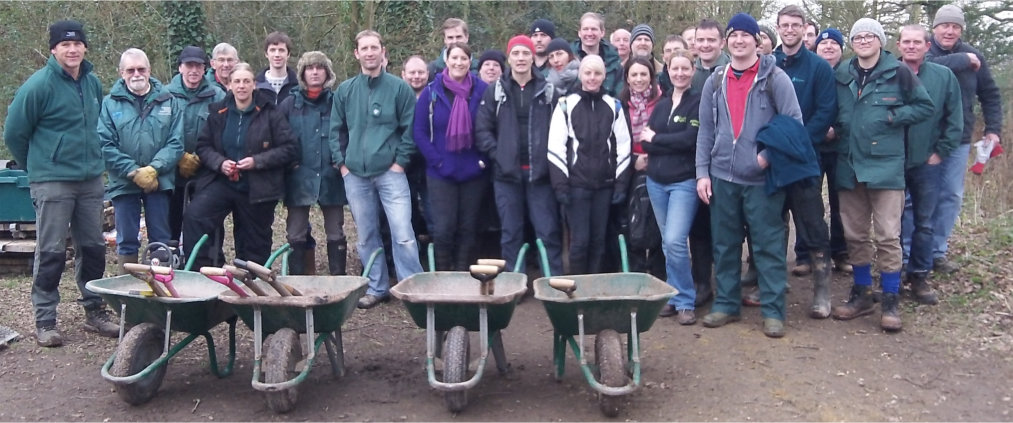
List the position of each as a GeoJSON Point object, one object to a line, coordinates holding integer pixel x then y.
{"type": "Point", "coordinates": [718, 153]}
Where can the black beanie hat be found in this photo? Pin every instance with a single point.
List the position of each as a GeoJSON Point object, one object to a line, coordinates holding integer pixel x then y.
{"type": "Point", "coordinates": [543, 25]}
{"type": "Point", "coordinates": [494, 55]}
{"type": "Point", "coordinates": [557, 44]}
{"type": "Point", "coordinates": [66, 31]}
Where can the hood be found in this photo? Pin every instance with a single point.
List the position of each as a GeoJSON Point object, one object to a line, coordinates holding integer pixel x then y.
{"type": "Point", "coordinates": [315, 58]}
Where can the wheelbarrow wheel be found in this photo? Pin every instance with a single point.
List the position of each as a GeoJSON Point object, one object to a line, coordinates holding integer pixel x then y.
{"type": "Point", "coordinates": [608, 355]}
{"type": "Point", "coordinates": [140, 347]}
{"type": "Point", "coordinates": [282, 351]}
{"type": "Point", "coordinates": [455, 366]}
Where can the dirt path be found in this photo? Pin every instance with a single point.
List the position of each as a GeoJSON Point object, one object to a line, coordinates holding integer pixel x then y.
{"type": "Point", "coordinates": [822, 371]}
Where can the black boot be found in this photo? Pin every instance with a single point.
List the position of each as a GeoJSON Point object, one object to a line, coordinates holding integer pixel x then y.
{"type": "Point", "coordinates": [337, 254]}
{"type": "Point", "coordinates": [821, 285]}
{"type": "Point", "coordinates": [921, 289]}
{"type": "Point", "coordinates": [297, 259]}
{"type": "Point", "coordinates": [890, 321]}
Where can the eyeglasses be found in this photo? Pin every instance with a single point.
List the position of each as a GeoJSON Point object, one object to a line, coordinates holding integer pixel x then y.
{"type": "Point", "coordinates": [131, 71]}
{"type": "Point", "coordinates": [864, 38]}
{"type": "Point", "coordinates": [796, 26]}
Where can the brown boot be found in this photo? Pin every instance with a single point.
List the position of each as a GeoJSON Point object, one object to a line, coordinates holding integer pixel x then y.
{"type": "Point", "coordinates": [124, 259]}
{"type": "Point", "coordinates": [921, 289]}
{"type": "Point", "coordinates": [890, 321]}
{"type": "Point", "coordinates": [859, 304]}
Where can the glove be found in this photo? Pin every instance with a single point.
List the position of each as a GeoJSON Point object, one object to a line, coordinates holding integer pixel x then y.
{"type": "Point", "coordinates": [146, 178]}
{"type": "Point", "coordinates": [986, 150]}
{"type": "Point", "coordinates": [188, 165]}
{"type": "Point", "coordinates": [618, 197]}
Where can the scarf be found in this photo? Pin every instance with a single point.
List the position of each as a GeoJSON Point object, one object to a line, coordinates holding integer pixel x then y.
{"type": "Point", "coordinates": [640, 113]}
{"type": "Point", "coordinates": [459, 135]}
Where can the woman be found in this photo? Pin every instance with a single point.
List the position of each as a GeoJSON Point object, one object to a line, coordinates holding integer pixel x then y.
{"type": "Point", "coordinates": [247, 144]}
{"type": "Point", "coordinates": [589, 156]}
{"type": "Point", "coordinates": [455, 169]}
{"type": "Point", "coordinates": [562, 67]}
{"type": "Point", "coordinates": [491, 65]}
{"type": "Point", "coordinates": [670, 140]}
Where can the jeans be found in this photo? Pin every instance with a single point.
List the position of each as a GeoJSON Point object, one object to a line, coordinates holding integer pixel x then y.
{"type": "Point", "coordinates": [916, 225]}
{"type": "Point", "coordinates": [366, 196]}
{"type": "Point", "coordinates": [251, 229]}
{"type": "Point", "coordinates": [536, 202]}
{"type": "Point", "coordinates": [865, 210]}
{"type": "Point", "coordinates": [951, 197]}
{"type": "Point", "coordinates": [57, 206]}
{"type": "Point", "coordinates": [456, 207]}
{"type": "Point", "coordinates": [674, 208]}
{"type": "Point", "coordinates": [586, 216]}
{"type": "Point", "coordinates": [128, 218]}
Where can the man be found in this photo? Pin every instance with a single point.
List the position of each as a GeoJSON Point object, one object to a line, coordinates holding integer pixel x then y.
{"type": "Point", "coordinates": [542, 32]}
{"type": "Point", "coordinates": [371, 148]}
{"type": "Point", "coordinates": [140, 127]}
{"type": "Point", "coordinates": [415, 73]}
{"type": "Point", "coordinates": [592, 29]}
{"type": "Point", "coordinates": [224, 57]}
{"type": "Point", "coordinates": [313, 181]}
{"type": "Point", "coordinates": [830, 46]}
{"type": "Point", "coordinates": [196, 93]}
{"type": "Point", "coordinates": [928, 141]}
{"type": "Point", "coordinates": [620, 39]}
{"type": "Point", "coordinates": [277, 79]}
{"type": "Point", "coordinates": [512, 129]}
{"type": "Point", "coordinates": [811, 29]}
{"type": "Point", "coordinates": [454, 31]}
{"type": "Point", "coordinates": [642, 44]}
{"type": "Point", "coordinates": [59, 106]}
{"type": "Point", "coordinates": [710, 53]}
{"type": "Point", "coordinates": [813, 80]}
{"type": "Point", "coordinates": [878, 98]}
{"type": "Point", "coordinates": [689, 34]}
{"type": "Point", "coordinates": [673, 44]}
{"type": "Point", "coordinates": [735, 103]}
{"type": "Point", "coordinates": [975, 79]}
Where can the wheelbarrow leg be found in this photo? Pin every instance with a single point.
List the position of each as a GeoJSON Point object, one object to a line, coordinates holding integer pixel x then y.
{"type": "Point", "coordinates": [559, 354]}
{"type": "Point", "coordinates": [499, 353]}
{"type": "Point", "coordinates": [336, 353]}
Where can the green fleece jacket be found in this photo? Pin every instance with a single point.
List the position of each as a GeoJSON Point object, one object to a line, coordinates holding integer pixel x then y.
{"type": "Point", "coordinates": [941, 132]}
{"type": "Point", "coordinates": [50, 127]}
{"type": "Point", "coordinates": [371, 124]}
{"type": "Point", "coordinates": [195, 110]}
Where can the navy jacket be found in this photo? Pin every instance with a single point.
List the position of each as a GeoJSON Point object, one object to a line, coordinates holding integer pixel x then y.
{"type": "Point", "coordinates": [815, 88]}
{"type": "Point", "coordinates": [789, 152]}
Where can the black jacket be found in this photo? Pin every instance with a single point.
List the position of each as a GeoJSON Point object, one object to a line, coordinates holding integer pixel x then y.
{"type": "Point", "coordinates": [497, 130]}
{"type": "Point", "coordinates": [973, 83]}
{"type": "Point", "coordinates": [672, 152]}
{"type": "Point", "coordinates": [269, 141]}
{"type": "Point", "coordinates": [262, 85]}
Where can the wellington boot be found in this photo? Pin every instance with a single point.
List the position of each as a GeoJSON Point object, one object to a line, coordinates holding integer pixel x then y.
{"type": "Point", "coordinates": [859, 304]}
{"type": "Point", "coordinates": [890, 320]}
{"type": "Point", "coordinates": [297, 259]}
{"type": "Point", "coordinates": [821, 286]}
{"type": "Point", "coordinates": [337, 255]}
{"type": "Point", "coordinates": [310, 260]}
{"type": "Point", "coordinates": [124, 259]}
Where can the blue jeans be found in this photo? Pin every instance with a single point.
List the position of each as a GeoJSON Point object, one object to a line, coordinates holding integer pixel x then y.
{"type": "Point", "coordinates": [674, 208]}
{"type": "Point", "coordinates": [128, 220]}
{"type": "Point", "coordinates": [365, 197]}
{"type": "Point", "coordinates": [916, 224]}
{"type": "Point", "coordinates": [951, 197]}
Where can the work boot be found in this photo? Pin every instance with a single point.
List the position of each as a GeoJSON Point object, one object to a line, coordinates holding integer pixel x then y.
{"type": "Point", "coordinates": [841, 263]}
{"type": "Point", "coordinates": [801, 269]}
{"type": "Point", "coordinates": [122, 259]}
{"type": "Point", "coordinates": [944, 266]}
{"type": "Point", "coordinates": [890, 321]}
{"type": "Point", "coordinates": [859, 304]}
{"type": "Point", "coordinates": [297, 259]}
{"type": "Point", "coordinates": [101, 321]}
{"type": "Point", "coordinates": [921, 289]}
{"type": "Point", "coordinates": [821, 286]}
{"type": "Point", "coordinates": [337, 254]}
{"type": "Point", "coordinates": [48, 337]}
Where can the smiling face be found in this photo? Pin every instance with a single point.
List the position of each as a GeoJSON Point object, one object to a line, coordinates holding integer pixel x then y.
{"type": "Point", "coordinates": [590, 32]}
{"type": "Point", "coordinates": [223, 63]}
{"type": "Point", "coordinates": [454, 35]}
{"type": "Point", "coordinates": [591, 78]}
{"type": "Point", "coordinates": [241, 84]}
{"type": "Point", "coordinates": [458, 63]}
{"type": "Point", "coordinates": [135, 73]}
{"type": "Point", "coordinates": [490, 71]}
{"type": "Point", "coordinates": [680, 72]}
{"type": "Point", "coordinates": [791, 30]}
{"type": "Point", "coordinates": [369, 52]}
{"type": "Point", "coordinates": [639, 78]}
{"type": "Point", "coordinates": [709, 44]}
{"type": "Point", "coordinates": [912, 45]}
{"type": "Point", "coordinates": [69, 54]}
{"type": "Point", "coordinates": [830, 51]}
{"type": "Point", "coordinates": [741, 45]}
{"type": "Point", "coordinates": [620, 38]}
{"type": "Point", "coordinates": [193, 74]}
{"type": "Point", "coordinates": [277, 55]}
{"type": "Point", "coordinates": [866, 45]}
{"type": "Point", "coordinates": [947, 34]}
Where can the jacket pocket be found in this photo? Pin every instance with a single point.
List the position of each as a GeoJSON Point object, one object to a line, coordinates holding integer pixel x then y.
{"type": "Point", "coordinates": [56, 150]}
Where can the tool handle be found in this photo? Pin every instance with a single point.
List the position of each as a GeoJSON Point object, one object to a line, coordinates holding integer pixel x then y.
{"type": "Point", "coordinates": [484, 269]}
{"type": "Point", "coordinates": [261, 271]}
{"type": "Point", "coordinates": [212, 271]}
{"type": "Point", "coordinates": [136, 267]}
{"type": "Point", "coordinates": [565, 285]}
{"type": "Point", "coordinates": [500, 263]}
{"type": "Point", "coordinates": [237, 272]}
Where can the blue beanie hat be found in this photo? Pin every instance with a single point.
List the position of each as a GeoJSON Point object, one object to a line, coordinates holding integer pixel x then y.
{"type": "Point", "coordinates": [831, 34]}
{"type": "Point", "coordinates": [743, 22]}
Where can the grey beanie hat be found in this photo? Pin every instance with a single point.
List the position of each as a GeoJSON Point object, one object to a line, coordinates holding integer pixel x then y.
{"type": "Point", "coordinates": [868, 25]}
{"type": "Point", "coordinates": [642, 29]}
{"type": "Point", "coordinates": [949, 14]}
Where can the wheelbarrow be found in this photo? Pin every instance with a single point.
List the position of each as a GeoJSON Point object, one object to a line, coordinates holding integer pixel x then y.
{"type": "Point", "coordinates": [456, 303]}
{"type": "Point", "coordinates": [138, 365]}
{"type": "Point", "coordinates": [291, 305]}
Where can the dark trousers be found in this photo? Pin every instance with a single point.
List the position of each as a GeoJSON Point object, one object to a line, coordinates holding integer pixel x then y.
{"type": "Point", "coordinates": [206, 215]}
{"type": "Point", "coordinates": [805, 201]}
{"type": "Point", "coordinates": [701, 248]}
{"type": "Point", "coordinates": [456, 207]}
{"type": "Point", "coordinates": [838, 245]}
{"type": "Point", "coordinates": [923, 188]}
{"type": "Point", "coordinates": [586, 216]}
{"type": "Point", "coordinates": [176, 206]}
{"type": "Point", "coordinates": [518, 202]}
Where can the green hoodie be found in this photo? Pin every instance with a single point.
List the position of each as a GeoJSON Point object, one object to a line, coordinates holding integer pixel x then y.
{"type": "Point", "coordinates": [138, 132]}
{"type": "Point", "coordinates": [195, 111]}
{"type": "Point", "coordinates": [50, 127]}
{"type": "Point", "coordinates": [371, 124]}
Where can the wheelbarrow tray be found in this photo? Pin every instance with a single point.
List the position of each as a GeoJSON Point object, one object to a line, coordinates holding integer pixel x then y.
{"type": "Point", "coordinates": [332, 298]}
{"type": "Point", "coordinates": [606, 301]}
{"type": "Point", "coordinates": [457, 298]}
{"type": "Point", "coordinates": [196, 310]}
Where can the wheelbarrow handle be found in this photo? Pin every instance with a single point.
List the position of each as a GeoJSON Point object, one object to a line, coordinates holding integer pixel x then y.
{"type": "Point", "coordinates": [261, 271]}
{"type": "Point", "coordinates": [237, 272]}
{"type": "Point", "coordinates": [136, 267]}
{"type": "Point", "coordinates": [212, 271]}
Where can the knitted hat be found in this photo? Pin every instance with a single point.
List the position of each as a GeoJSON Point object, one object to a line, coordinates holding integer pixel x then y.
{"type": "Point", "coordinates": [193, 54]}
{"type": "Point", "coordinates": [315, 58]}
{"type": "Point", "coordinates": [520, 40]}
{"type": "Point", "coordinates": [494, 55]}
{"type": "Point", "coordinates": [831, 34]}
{"type": "Point", "coordinates": [543, 25]}
{"type": "Point", "coordinates": [868, 25]}
{"type": "Point", "coordinates": [642, 29]}
{"type": "Point", "coordinates": [66, 31]}
{"type": "Point", "coordinates": [768, 29]}
{"type": "Point", "coordinates": [558, 44]}
{"type": "Point", "coordinates": [743, 22]}
{"type": "Point", "coordinates": [949, 14]}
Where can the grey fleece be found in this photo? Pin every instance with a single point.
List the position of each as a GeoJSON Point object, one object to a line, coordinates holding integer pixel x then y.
{"type": "Point", "coordinates": [718, 153]}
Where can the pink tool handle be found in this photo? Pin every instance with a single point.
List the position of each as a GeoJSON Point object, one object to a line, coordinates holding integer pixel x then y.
{"type": "Point", "coordinates": [167, 281]}
{"type": "Point", "coordinates": [227, 281]}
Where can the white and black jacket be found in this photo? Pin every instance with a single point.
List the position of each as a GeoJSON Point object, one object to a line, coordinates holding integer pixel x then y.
{"type": "Point", "coordinates": [589, 143]}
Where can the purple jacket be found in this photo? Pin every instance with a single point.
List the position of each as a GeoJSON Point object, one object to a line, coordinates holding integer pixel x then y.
{"type": "Point", "coordinates": [432, 113]}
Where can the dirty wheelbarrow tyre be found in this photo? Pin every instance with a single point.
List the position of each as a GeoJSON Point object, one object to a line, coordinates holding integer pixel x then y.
{"type": "Point", "coordinates": [282, 351]}
{"type": "Point", "coordinates": [609, 356]}
{"type": "Point", "coordinates": [140, 347]}
{"type": "Point", "coordinates": [456, 353]}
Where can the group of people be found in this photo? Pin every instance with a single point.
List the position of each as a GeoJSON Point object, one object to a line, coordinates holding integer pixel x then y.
{"type": "Point", "coordinates": [689, 157]}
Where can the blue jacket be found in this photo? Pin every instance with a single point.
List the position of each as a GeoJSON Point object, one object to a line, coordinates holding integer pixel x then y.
{"type": "Point", "coordinates": [432, 114]}
{"type": "Point", "coordinates": [815, 89]}
{"type": "Point", "coordinates": [789, 152]}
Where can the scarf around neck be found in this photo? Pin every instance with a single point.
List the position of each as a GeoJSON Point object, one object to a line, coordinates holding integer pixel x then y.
{"type": "Point", "coordinates": [459, 135]}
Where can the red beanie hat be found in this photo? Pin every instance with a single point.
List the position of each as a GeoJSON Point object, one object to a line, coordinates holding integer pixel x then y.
{"type": "Point", "coordinates": [520, 40]}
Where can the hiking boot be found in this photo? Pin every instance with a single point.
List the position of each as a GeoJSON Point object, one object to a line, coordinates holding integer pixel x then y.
{"type": "Point", "coordinates": [801, 269]}
{"type": "Point", "coordinates": [920, 288]}
{"type": "Point", "coordinates": [890, 320]}
{"type": "Point", "coordinates": [102, 322]}
{"type": "Point", "coordinates": [944, 266]}
{"type": "Point", "coordinates": [667, 311]}
{"type": "Point", "coordinates": [859, 304]}
{"type": "Point", "coordinates": [687, 317]}
{"type": "Point", "coordinates": [841, 264]}
{"type": "Point", "coordinates": [717, 319]}
{"type": "Point", "coordinates": [48, 337]}
{"type": "Point", "coordinates": [821, 287]}
{"type": "Point", "coordinates": [369, 301]}
{"type": "Point", "coordinates": [773, 328]}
